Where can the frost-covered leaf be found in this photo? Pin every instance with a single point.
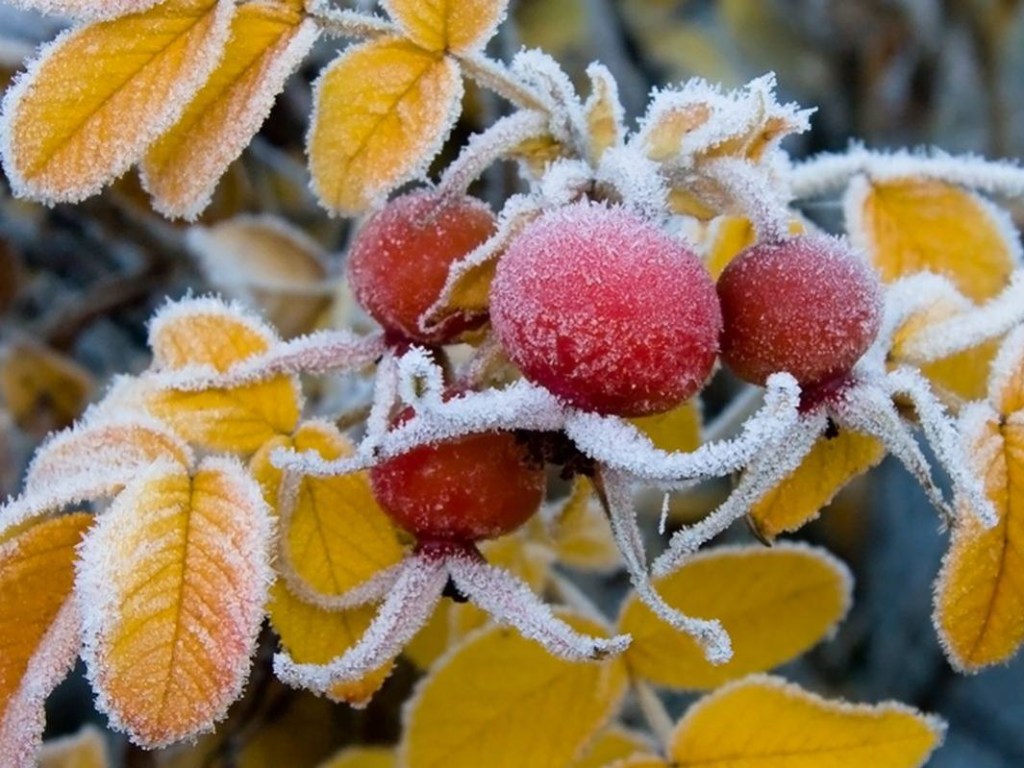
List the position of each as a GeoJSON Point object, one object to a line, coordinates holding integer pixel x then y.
{"type": "Point", "coordinates": [97, 96]}
{"type": "Point", "coordinates": [383, 110]}
{"type": "Point", "coordinates": [208, 335]}
{"type": "Point", "coordinates": [459, 26]}
{"type": "Point", "coordinates": [914, 225]}
{"type": "Point", "coordinates": [604, 113]}
{"type": "Point", "coordinates": [172, 584]}
{"type": "Point", "coordinates": [38, 627]}
{"type": "Point", "coordinates": [90, 462]}
{"type": "Point", "coordinates": [774, 603]}
{"type": "Point", "coordinates": [831, 464]}
{"type": "Point", "coordinates": [312, 635]}
{"type": "Point", "coordinates": [333, 533]}
{"type": "Point", "coordinates": [613, 744]}
{"type": "Point", "coordinates": [88, 9]}
{"type": "Point", "coordinates": [180, 170]}
{"type": "Point", "coordinates": [979, 595]}
{"type": "Point", "coordinates": [267, 263]}
{"type": "Point", "coordinates": [765, 722]}
{"type": "Point", "coordinates": [42, 389]}
{"type": "Point", "coordinates": [525, 707]}
{"type": "Point", "coordinates": [85, 749]}
{"type": "Point", "coordinates": [363, 757]}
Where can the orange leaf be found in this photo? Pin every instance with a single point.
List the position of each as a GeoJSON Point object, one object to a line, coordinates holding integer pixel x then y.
{"type": "Point", "coordinates": [383, 110]}
{"type": "Point", "coordinates": [38, 628]}
{"type": "Point", "coordinates": [268, 40]}
{"type": "Point", "coordinates": [915, 225]}
{"type": "Point", "coordinates": [208, 333]}
{"type": "Point", "coordinates": [459, 26]}
{"type": "Point", "coordinates": [173, 580]}
{"type": "Point", "coordinates": [764, 722]}
{"type": "Point", "coordinates": [98, 95]}
{"type": "Point", "coordinates": [774, 603]}
{"type": "Point", "coordinates": [799, 498]}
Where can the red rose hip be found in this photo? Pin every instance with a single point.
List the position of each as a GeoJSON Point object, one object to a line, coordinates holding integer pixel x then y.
{"type": "Point", "coordinates": [807, 305]}
{"type": "Point", "coordinates": [464, 490]}
{"type": "Point", "coordinates": [606, 311]}
{"type": "Point", "coordinates": [399, 260]}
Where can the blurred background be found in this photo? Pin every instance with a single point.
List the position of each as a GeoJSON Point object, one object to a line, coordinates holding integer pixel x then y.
{"type": "Point", "coordinates": [77, 283]}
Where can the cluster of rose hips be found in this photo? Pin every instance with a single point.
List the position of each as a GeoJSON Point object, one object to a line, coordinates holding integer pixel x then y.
{"type": "Point", "coordinates": [611, 315]}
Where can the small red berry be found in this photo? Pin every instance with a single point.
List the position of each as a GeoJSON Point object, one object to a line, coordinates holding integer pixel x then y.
{"type": "Point", "coordinates": [808, 305]}
{"type": "Point", "coordinates": [606, 311]}
{"type": "Point", "coordinates": [399, 260]}
{"type": "Point", "coordinates": [464, 490]}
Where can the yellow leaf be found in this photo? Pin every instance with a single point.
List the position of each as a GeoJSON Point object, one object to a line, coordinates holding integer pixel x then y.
{"type": "Point", "coordinates": [204, 332]}
{"type": "Point", "coordinates": [363, 757]}
{"type": "Point", "coordinates": [979, 596]}
{"type": "Point", "coordinates": [333, 532]}
{"type": "Point", "coordinates": [604, 114]}
{"type": "Point", "coordinates": [913, 225]}
{"type": "Point", "coordinates": [524, 707]}
{"type": "Point", "coordinates": [39, 627]}
{"type": "Point", "coordinates": [36, 576]}
{"type": "Point", "coordinates": [42, 389]}
{"type": "Point", "coordinates": [612, 745]}
{"type": "Point", "coordinates": [675, 430]}
{"type": "Point", "coordinates": [85, 749]}
{"type": "Point", "coordinates": [315, 636]}
{"type": "Point", "coordinates": [174, 580]}
{"type": "Point", "coordinates": [774, 603]}
{"type": "Point", "coordinates": [832, 463]}
{"type": "Point", "coordinates": [1007, 382]}
{"type": "Point", "coordinates": [267, 262]}
{"type": "Point", "coordinates": [582, 537]}
{"type": "Point", "coordinates": [97, 96]}
{"type": "Point", "coordinates": [764, 722]}
{"type": "Point", "coordinates": [459, 26]}
{"type": "Point", "coordinates": [383, 110]}
{"type": "Point", "coordinates": [268, 40]}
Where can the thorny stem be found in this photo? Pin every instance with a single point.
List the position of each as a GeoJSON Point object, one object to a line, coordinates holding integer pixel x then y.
{"type": "Point", "coordinates": [495, 76]}
{"type": "Point", "coordinates": [654, 712]}
{"type": "Point", "coordinates": [345, 23]}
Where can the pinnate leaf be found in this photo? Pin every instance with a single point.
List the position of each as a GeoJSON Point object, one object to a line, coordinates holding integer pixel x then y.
{"type": "Point", "coordinates": [383, 109]}
{"type": "Point", "coordinates": [172, 584]}
{"type": "Point", "coordinates": [206, 334]}
{"type": "Point", "coordinates": [97, 96]}
{"type": "Point", "coordinates": [774, 603]}
{"type": "Point", "coordinates": [979, 596]}
{"type": "Point", "coordinates": [459, 26]}
{"type": "Point", "coordinates": [38, 627]}
{"type": "Point", "coordinates": [831, 464]}
{"type": "Point", "coordinates": [764, 722]}
{"type": "Point", "coordinates": [267, 42]}
{"type": "Point", "coordinates": [914, 225]}
{"type": "Point", "coordinates": [516, 686]}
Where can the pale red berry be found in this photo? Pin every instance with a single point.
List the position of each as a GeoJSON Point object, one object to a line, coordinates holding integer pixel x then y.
{"type": "Point", "coordinates": [606, 311]}
{"type": "Point", "coordinates": [399, 260]}
{"type": "Point", "coordinates": [808, 305]}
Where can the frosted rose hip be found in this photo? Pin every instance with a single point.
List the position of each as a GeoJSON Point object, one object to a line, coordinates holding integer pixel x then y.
{"type": "Point", "coordinates": [463, 490]}
{"type": "Point", "coordinates": [399, 260]}
{"type": "Point", "coordinates": [606, 311]}
{"type": "Point", "coordinates": [807, 305]}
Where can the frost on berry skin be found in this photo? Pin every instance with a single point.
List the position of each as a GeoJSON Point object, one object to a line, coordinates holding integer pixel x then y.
{"type": "Point", "coordinates": [606, 311]}
{"type": "Point", "coordinates": [807, 305]}
{"type": "Point", "coordinates": [472, 488]}
{"type": "Point", "coordinates": [399, 260]}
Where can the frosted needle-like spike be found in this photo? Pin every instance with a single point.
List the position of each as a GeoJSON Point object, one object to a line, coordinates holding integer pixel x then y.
{"type": "Point", "coordinates": [510, 601]}
{"type": "Point", "coordinates": [407, 608]}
